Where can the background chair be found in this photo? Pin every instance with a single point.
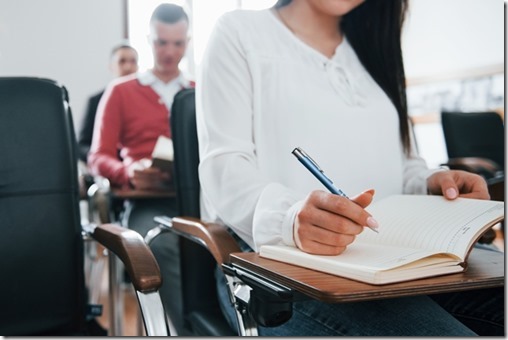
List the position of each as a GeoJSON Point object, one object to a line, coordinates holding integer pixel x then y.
{"type": "Point", "coordinates": [42, 291]}
{"type": "Point", "coordinates": [203, 247]}
{"type": "Point", "coordinates": [200, 311]}
{"type": "Point", "coordinates": [475, 142]}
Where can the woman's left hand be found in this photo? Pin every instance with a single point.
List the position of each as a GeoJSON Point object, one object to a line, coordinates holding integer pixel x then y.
{"type": "Point", "coordinates": [457, 183]}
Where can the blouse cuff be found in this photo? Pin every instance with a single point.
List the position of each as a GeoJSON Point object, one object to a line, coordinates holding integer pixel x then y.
{"type": "Point", "coordinates": [288, 223]}
{"type": "Point", "coordinates": [274, 215]}
{"type": "Point", "coordinates": [418, 184]}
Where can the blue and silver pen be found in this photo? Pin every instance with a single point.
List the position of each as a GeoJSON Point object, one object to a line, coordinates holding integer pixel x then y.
{"type": "Point", "coordinates": [314, 168]}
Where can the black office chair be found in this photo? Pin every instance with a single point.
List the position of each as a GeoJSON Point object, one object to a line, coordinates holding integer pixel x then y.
{"type": "Point", "coordinates": [42, 291]}
{"type": "Point", "coordinates": [474, 142]}
{"type": "Point", "coordinates": [200, 311]}
{"type": "Point", "coordinates": [204, 246]}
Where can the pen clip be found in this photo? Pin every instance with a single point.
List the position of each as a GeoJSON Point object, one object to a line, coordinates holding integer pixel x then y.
{"type": "Point", "coordinates": [304, 154]}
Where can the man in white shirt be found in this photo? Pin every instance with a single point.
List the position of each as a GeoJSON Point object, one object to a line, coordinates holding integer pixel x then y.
{"type": "Point", "coordinates": [133, 113]}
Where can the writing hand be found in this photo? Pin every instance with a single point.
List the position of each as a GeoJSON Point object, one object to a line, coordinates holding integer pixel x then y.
{"type": "Point", "coordinates": [327, 223]}
{"type": "Point", "coordinates": [457, 183]}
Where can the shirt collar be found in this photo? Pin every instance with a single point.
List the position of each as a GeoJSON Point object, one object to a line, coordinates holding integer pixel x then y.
{"type": "Point", "coordinates": [147, 78]}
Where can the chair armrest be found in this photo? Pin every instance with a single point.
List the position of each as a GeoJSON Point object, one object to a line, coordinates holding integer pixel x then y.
{"type": "Point", "coordinates": [213, 236]}
{"type": "Point", "coordinates": [132, 250]}
{"type": "Point", "coordinates": [258, 300]}
{"type": "Point", "coordinates": [478, 165]}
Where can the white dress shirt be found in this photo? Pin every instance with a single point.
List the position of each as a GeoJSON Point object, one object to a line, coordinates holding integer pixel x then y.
{"type": "Point", "coordinates": [261, 92]}
{"type": "Point", "coordinates": [166, 91]}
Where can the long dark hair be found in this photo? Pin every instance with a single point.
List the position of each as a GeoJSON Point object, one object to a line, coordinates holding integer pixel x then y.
{"type": "Point", "coordinates": [374, 30]}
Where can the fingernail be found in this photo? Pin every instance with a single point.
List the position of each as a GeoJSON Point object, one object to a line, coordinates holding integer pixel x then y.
{"type": "Point", "coordinates": [370, 191]}
{"type": "Point", "coordinates": [451, 193]}
{"type": "Point", "coordinates": [372, 223]}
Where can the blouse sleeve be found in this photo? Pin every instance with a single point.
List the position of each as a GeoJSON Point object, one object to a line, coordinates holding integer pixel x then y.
{"type": "Point", "coordinates": [260, 211]}
{"type": "Point", "coordinates": [416, 171]}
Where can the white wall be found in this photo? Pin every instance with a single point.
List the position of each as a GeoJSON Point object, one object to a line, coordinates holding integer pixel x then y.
{"type": "Point", "coordinates": [65, 40]}
{"type": "Point", "coordinates": [70, 40]}
{"type": "Point", "coordinates": [446, 36]}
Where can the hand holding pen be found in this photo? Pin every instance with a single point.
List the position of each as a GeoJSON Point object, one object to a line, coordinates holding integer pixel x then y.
{"type": "Point", "coordinates": [326, 224]}
{"type": "Point", "coordinates": [314, 168]}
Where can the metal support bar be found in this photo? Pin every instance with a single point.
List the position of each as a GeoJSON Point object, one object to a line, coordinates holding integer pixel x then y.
{"type": "Point", "coordinates": [115, 296]}
{"type": "Point", "coordinates": [239, 294]}
{"type": "Point", "coordinates": [153, 314]}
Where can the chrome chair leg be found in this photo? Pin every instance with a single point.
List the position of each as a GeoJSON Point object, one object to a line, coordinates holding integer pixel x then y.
{"type": "Point", "coordinates": [239, 294]}
{"type": "Point", "coordinates": [154, 315]}
{"type": "Point", "coordinates": [98, 263]}
{"type": "Point", "coordinates": [115, 296]}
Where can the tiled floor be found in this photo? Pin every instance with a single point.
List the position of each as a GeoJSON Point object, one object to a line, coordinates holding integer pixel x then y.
{"type": "Point", "coordinates": [130, 320]}
{"type": "Point", "coordinates": [100, 295]}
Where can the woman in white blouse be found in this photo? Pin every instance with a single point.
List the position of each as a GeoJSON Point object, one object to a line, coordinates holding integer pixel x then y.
{"type": "Point", "coordinates": [326, 75]}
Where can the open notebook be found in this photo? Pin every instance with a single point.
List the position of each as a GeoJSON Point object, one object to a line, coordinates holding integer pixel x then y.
{"type": "Point", "coordinates": [419, 236]}
{"type": "Point", "coordinates": [163, 154]}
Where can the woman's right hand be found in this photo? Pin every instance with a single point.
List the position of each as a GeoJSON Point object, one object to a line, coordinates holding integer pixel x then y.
{"type": "Point", "coordinates": [327, 223]}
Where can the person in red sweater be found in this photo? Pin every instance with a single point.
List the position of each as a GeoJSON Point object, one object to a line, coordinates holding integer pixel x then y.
{"type": "Point", "coordinates": [133, 112]}
{"type": "Point", "coordinates": [123, 61]}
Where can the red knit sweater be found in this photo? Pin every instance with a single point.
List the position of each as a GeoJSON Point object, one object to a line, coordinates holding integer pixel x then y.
{"type": "Point", "coordinates": [130, 117]}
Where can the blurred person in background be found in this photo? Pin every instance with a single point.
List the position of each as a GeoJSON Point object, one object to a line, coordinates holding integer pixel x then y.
{"type": "Point", "coordinates": [131, 116]}
{"type": "Point", "coordinates": [123, 61]}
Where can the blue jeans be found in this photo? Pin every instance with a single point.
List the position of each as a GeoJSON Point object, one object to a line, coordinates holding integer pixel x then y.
{"type": "Point", "coordinates": [478, 312]}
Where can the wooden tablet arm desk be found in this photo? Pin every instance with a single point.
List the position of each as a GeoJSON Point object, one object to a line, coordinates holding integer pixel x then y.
{"type": "Point", "coordinates": [263, 290]}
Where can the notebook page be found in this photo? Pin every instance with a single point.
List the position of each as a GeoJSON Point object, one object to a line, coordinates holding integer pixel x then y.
{"type": "Point", "coordinates": [430, 222]}
{"type": "Point", "coordinates": [163, 149]}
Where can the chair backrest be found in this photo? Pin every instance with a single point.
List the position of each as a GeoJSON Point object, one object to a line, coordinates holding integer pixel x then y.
{"type": "Point", "coordinates": [474, 134]}
{"type": "Point", "coordinates": [201, 311]}
{"type": "Point", "coordinates": [42, 288]}
{"type": "Point", "coordinates": [186, 152]}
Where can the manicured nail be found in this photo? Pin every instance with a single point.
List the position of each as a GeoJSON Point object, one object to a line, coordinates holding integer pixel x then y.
{"type": "Point", "coordinates": [451, 193]}
{"type": "Point", "coordinates": [372, 223]}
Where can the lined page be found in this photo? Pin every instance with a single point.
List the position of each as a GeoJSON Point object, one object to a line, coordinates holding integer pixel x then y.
{"type": "Point", "coordinates": [430, 222]}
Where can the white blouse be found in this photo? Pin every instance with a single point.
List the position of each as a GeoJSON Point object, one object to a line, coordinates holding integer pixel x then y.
{"type": "Point", "coordinates": [261, 92]}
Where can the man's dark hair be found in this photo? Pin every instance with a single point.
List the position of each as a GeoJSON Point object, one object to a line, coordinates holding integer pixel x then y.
{"type": "Point", "coordinates": [169, 14]}
{"type": "Point", "coordinates": [121, 46]}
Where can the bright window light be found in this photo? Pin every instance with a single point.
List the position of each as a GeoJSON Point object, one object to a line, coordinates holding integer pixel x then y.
{"type": "Point", "coordinates": [206, 13]}
{"type": "Point", "coordinates": [257, 4]}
